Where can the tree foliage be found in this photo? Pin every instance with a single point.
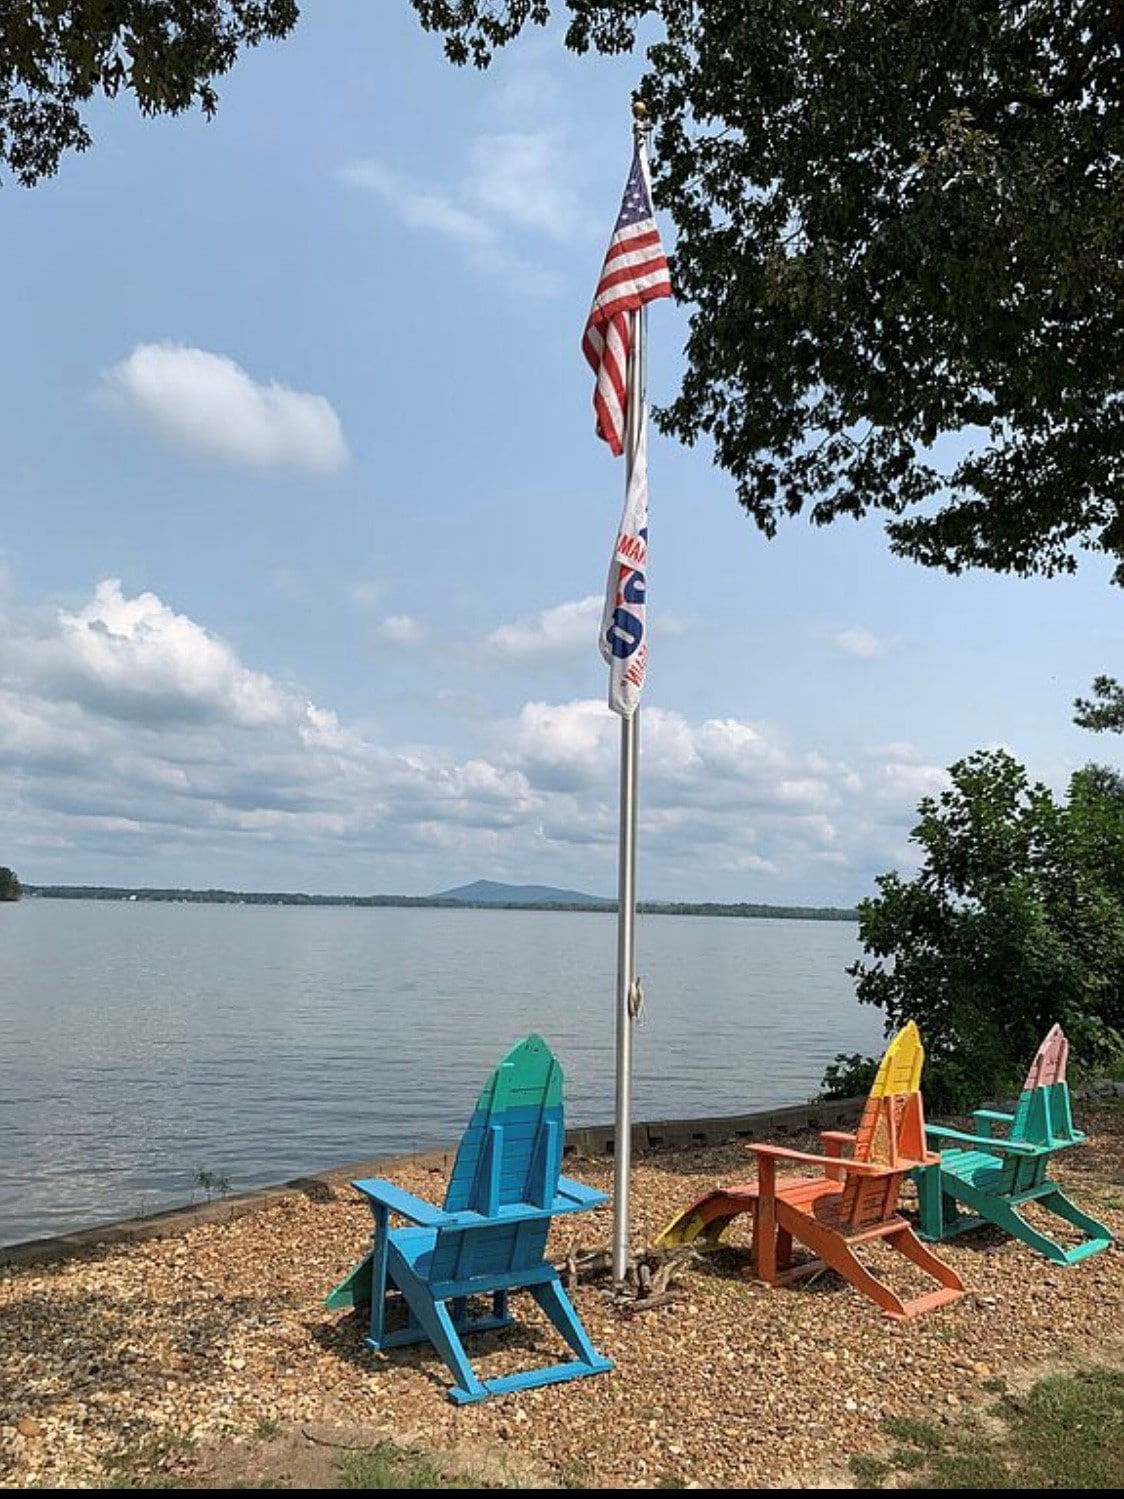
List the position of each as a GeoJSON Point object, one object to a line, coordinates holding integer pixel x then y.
{"type": "Point", "coordinates": [1015, 921]}
{"type": "Point", "coordinates": [10, 887]}
{"type": "Point", "coordinates": [55, 55]}
{"type": "Point", "coordinates": [1104, 710]}
{"type": "Point", "coordinates": [898, 223]}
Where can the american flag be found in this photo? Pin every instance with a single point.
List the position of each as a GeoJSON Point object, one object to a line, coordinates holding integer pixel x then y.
{"type": "Point", "coordinates": [635, 272]}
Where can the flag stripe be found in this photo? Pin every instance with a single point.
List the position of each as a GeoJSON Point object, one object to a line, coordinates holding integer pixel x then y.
{"type": "Point", "coordinates": [634, 273]}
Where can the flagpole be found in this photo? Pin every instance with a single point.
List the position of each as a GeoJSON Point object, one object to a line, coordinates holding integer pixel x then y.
{"type": "Point", "coordinates": [628, 987]}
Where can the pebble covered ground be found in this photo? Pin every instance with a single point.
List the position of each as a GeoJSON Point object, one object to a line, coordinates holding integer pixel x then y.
{"type": "Point", "coordinates": [178, 1360]}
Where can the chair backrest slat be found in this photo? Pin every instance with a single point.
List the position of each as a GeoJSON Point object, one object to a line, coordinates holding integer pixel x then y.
{"type": "Point", "coordinates": [891, 1131]}
{"type": "Point", "coordinates": [510, 1153]}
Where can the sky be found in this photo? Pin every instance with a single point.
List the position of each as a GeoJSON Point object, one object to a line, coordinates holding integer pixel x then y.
{"type": "Point", "coordinates": [304, 527]}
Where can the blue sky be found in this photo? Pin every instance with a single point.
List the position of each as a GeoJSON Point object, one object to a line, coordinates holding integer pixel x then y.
{"type": "Point", "coordinates": [304, 528]}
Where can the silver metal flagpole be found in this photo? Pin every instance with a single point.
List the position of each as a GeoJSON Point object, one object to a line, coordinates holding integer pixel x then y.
{"type": "Point", "coordinates": [628, 986]}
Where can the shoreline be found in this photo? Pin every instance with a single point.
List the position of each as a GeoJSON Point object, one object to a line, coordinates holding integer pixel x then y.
{"type": "Point", "coordinates": [204, 1356]}
{"type": "Point", "coordinates": [588, 1141]}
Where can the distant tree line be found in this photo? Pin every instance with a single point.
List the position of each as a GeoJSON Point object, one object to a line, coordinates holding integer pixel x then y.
{"type": "Point", "coordinates": [10, 887]}
{"type": "Point", "coordinates": [293, 898]}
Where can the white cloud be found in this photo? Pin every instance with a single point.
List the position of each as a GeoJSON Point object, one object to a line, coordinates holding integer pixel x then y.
{"type": "Point", "coordinates": [137, 660]}
{"type": "Point", "coordinates": [129, 731]}
{"type": "Point", "coordinates": [522, 177]}
{"type": "Point", "coordinates": [556, 631]}
{"type": "Point", "coordinates": [367, 594]}
{"type": "Point", "coordinates": [860, 641]}
{"type": "Point", "coordinates": [400, 629]}
{"type": "Point", "coordinates": [500, 192]}
{"type": "Point", "coordinates": [209, 404]}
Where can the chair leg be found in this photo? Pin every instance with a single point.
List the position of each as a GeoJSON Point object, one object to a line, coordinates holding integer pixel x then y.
{"type": "Point", "coordinates": [378, 1277]}
{"type": "Point", "coordinates": [558, 1307]}
{"type": "Point", "coordinates": [434, 1319]}
{"type": "Point", "coordinates": [833, 1250]}
{"type": "Point", "coordinates": [1098, 1236]}
{"type": "Point", "coordinates": [930, 1203]}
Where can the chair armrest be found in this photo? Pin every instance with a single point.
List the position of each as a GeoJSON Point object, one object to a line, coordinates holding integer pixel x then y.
{"type": "Point", "coordinates": [841, 1136]}
{"type": "Point", "coordinates": [387, 1195]}
{"type": "Point", "coordinates": [986, 1142]}
{"type": "Point", "coordinates": [579, 1194]}
{"type": "Point", "coordinates": [838, 1163]}
{"type": "Point", "coordinates": [983, 1119]}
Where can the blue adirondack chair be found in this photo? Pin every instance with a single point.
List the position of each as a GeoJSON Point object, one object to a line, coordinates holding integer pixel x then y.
{"type": "Point", "coordinates": [995, 1176]}
{"type": "Point", "coordinates": [488, 1239]}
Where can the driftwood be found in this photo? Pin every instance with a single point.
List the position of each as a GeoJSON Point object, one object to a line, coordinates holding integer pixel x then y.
{"type": "Point", "coordinates": [648, 1280]}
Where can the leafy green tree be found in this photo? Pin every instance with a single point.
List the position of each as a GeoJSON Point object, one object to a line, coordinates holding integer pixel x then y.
{"type": "Point", "coordinates": [1014, 921]}
{"type": "Point", "coordinates": [898, 223]}
{"type": "Point", "coordinates": [56, 54]}
{"type": "Point", "coordinates": [10, 887]}
{"type": "Point", "coordinates": [1104, 710]}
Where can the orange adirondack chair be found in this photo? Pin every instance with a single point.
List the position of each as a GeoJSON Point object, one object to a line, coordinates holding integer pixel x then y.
{"type": "Point", "coordinates": [853, 1201]}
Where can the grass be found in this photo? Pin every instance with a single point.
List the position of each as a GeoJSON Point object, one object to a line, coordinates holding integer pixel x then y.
{"type": "Point", "coordinates": [390, 1467]}
{"type": "Point", "coordinates": [144, 1464]}
{"type": "Point", "coordinates": [1066, 1433]}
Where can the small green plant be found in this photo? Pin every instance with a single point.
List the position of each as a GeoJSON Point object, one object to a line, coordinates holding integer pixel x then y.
{"type": "Point", "coordinates": [388, 1466]}
{"type": "Point", "coordinates": [1067, 1433]}
{"type": "Point", "coordinates": [211, 1182]}
{"type": "Point", "coordinates": [915, 1433]}
{"type": "Point", "coordinates": [148, 1464]}
{"type": "Point", "coordinates": [574, 1474]}
{"type": "Point", "coordinates": [869, 1471]}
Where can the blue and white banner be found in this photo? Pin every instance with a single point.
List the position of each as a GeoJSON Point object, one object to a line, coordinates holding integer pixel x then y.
{"type": "Point", "coordinates": [623, 619]}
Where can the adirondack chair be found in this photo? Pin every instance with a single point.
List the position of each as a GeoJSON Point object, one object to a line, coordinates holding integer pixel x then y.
{"type": "Point", "coordinates": [488, 1239]}
{"type": "Point", "coordinates": [853, 1201]}
{"type": "Point", "coordinates": [995, 1176]}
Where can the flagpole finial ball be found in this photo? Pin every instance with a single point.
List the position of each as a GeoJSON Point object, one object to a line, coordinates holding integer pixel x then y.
{"type": "Point", "coordinates": [639, 110]}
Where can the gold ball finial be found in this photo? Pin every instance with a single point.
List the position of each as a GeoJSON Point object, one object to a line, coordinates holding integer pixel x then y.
{"type": "Point", "coordinates": [639, 110]}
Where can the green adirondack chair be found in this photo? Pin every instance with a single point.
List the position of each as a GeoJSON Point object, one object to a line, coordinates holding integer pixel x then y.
{"type": "Point", "coordinates": [993, 1177]}
{"type": "Point", "coordinates": [488, 1239]}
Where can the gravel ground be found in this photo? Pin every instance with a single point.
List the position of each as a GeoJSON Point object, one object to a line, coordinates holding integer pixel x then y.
{"type": "Point", "coordinates": [207, 1357]}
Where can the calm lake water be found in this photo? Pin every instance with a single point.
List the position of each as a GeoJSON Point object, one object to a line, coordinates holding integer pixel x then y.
{"type": "Point", "coordinates": [143, 1041]}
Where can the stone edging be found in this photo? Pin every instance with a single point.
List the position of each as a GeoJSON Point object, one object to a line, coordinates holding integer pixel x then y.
{"type": "Point", "coordinates": [589, 1141]}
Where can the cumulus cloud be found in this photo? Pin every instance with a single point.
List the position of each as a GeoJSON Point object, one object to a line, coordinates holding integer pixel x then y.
{"type": "Point", "coordinates": [400, 629]}
{"type": "Point", "coordinates": [859, 641]}
{"type": "Point", "coordinates": [129, 731]}
{"type": "Point", "coordinates": [556, 631]}
{"type": "Point", "coordinates": [209, 404]}
{"type": "Point", "coordinates": [367, 594]}
{"type": "Point", "coordinates": [136, 659]}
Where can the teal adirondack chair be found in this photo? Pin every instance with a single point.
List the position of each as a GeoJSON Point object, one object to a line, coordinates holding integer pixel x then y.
{"type": "Point", "coordinates": [488, 1239]}
{"type": "Point", "coordinates": [994, 1176]}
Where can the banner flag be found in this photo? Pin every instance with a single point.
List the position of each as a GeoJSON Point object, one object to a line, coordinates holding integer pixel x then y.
{"type": "Point", "coordinates": [623, 619]}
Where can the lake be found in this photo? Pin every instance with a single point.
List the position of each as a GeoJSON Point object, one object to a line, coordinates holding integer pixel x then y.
{"type": "Point", "coordinates": [144, 1042]}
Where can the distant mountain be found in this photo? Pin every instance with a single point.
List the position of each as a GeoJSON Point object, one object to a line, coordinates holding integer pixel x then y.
{"type": "Point", "coordinates": [490, 893]}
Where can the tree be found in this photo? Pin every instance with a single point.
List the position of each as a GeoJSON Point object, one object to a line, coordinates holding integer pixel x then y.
{"type": "Point", "coordinates": [1106, 712]}
{"type": "Point", "coordinates": [898, 223]}
{"type": "Point", "coordinates": [10, 887]}
{"type": "Point", "coordinates": [1015, 921]}
{"type": "Point", "coordinates": [56, 54]}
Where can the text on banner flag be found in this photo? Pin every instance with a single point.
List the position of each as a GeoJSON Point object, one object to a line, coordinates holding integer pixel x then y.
{"type": "Point", "coordinates": [623, 620]}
